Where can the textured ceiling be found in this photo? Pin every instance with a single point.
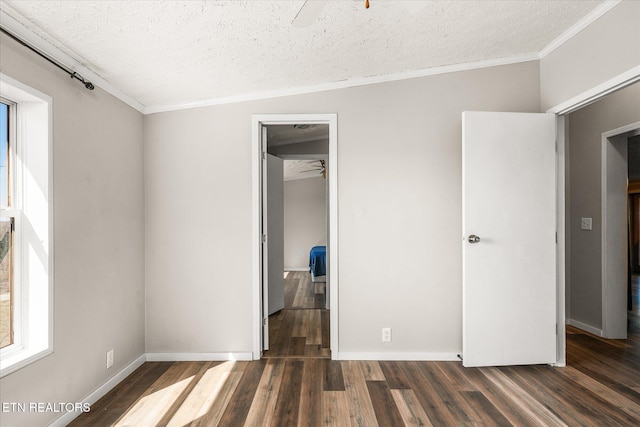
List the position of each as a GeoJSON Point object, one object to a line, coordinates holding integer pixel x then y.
{"type": "Point", "coordinates": [164, 53]}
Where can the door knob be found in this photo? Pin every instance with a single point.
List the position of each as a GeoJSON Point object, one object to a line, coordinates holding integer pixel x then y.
{"type": "Point", "coordinates": [473, 238]}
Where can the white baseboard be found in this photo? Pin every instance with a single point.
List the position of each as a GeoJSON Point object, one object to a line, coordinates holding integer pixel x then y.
{"type": "Point", "coordinates": [585, 327]}
{"type": "Point", "coordinates": [296, 269]}
{"type": "Point", "coordinates": [197, 357]}
{"type": "Point", "coordinates": [100, 391]}
{"type": "Point", "coordinates": [190, 357]}
{"type": "Point", "coordinates": [148, 357]}
{"type": "Point", "coordinates": [398, 356]}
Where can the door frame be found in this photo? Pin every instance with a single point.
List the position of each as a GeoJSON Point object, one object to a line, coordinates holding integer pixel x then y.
{"type": "Point", "coordinates": [257, 123]}
{"type": "Point", "coordinates": [561, 110]}
{"type": "Point", "coordinates": [614, 255]}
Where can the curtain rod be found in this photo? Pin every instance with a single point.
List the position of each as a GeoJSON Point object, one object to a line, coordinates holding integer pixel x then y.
{"type": "Point", "coordinates": [71, 73]}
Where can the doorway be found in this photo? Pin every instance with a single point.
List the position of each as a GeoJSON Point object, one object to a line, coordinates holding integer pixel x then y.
{"type": "Point", "coordinates": [568, 226]}
{"type": "Point", "coordinates": [617, 245]}
{"type": "Point", "coordinates": [297, 229]}
{"type": "Point", "coordinates": [633, 288]}
{"type": "Point", "coordinates": [262, 124]}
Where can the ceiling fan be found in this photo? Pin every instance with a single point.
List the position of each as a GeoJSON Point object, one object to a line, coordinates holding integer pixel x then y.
{"type": "Point", "coordinates": [310, 11]}
{"type": "Point", "coordinates": [322, 168]}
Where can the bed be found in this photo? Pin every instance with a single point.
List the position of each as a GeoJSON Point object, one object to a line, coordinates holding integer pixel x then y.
{"type": "Point", "coordinates": [318, 263]}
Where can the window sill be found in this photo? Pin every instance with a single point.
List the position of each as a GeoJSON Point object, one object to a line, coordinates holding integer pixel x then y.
{"type": "Point", "coordinates": [20, 359]}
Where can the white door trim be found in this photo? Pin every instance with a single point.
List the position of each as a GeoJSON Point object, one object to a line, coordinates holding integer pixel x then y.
{"type": "Point", "coordinates": [561, 340]}
{"type": "Point", "coordinates": [257, 121]}
{"type": "Point", "coordinates": [592, 95]}
{"type": "Point", "coordinates": [581, 100]}
{"type": "Point", "coordinates": [614, 254]}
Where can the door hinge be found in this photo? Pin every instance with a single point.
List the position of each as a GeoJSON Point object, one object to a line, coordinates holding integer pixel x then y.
{"type": "Point", "coordinates": [265, 321]}
{"type": "Point", "coordinates": [264, 155]}
{"type": "Point", "coordinates": [556, 237]}
{"type": "Point", "coordinates": [263, 238]}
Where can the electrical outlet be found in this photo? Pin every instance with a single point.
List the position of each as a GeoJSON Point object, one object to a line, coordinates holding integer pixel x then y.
{"type": "Point", "coordinates": [386, 334]}
{"type": "Point", "coordinates": [109, 358]}
{"type": "Point", "coordinates": [586, 224]}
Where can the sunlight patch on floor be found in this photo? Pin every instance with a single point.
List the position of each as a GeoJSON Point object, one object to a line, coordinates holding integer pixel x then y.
{"type": "Point", "coordinates": [203, 395]}
{"type": "Point", "coordinates": [149, 410]}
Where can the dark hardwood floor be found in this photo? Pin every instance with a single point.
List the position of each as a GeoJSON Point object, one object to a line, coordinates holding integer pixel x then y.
{"type": "Point", "coordinates": [599, 387]}
{"type": "Point", "coordinates": [301, 329]}
{"type": "Point", "coordinates": [300, 293]}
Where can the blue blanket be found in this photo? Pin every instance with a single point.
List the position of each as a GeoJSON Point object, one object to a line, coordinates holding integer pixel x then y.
{"type": "Point", "coordinates": [318, 260]}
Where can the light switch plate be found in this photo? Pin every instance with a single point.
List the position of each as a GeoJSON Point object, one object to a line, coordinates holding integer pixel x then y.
{"type": "Point", "coordinates": [586, 224]}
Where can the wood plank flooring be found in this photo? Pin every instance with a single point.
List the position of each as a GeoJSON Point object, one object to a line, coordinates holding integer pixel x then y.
{"type": "Point", "coordinates": [301, 329]}
{"type": "Point", "coordinates": [299, 333]}
{"type": "Point", "coordinates": [301, 293]}
{"type": "Point", "coordinates": [599, 387]}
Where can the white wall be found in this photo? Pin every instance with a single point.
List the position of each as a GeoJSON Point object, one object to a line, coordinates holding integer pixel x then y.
{"type": "Point", "coordinates": [399, 206]}
{"type": "Point", "coordinates": [606, 48]}
{"type": "Point", "coordinates": [98, 240]}
{"type": "Point", "coordinates": [305, 220]}
{"type": "Point", "coordinates": [586, 127]}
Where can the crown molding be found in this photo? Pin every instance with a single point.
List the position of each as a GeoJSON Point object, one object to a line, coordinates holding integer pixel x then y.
{"type": "Point", "coordinates": [587, 20]}
{"type": "Point", "coordinates": [15, 26]}
{"type": "Point", "coordinates": [343, 84]}
{"type": "Point", "coordinates": [18, 29]}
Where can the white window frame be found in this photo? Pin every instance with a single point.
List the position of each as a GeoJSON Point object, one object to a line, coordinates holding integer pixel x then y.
{"type": "Point", "coordinates": [31, 207]}
{"type": "Point", "coordinates": [12, 211]}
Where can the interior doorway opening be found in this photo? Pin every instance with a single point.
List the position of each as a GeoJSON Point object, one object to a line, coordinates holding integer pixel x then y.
{"type": "Point", "coordinates": [620, 165]}
{"type": "Point", "coordinates": [296, 213]}
{"type": "Point", "coordinates": [567, 223]}
{"type": "Point", "coordinates": [633, 286]}
{"type": "Point", "coordinates": [305, 145]}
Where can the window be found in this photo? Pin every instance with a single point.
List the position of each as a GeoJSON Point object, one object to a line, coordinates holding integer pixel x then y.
{"type": "Point", "coordinates": [25, 226]}
{"type": "Point", "coordinates": [6, 234]}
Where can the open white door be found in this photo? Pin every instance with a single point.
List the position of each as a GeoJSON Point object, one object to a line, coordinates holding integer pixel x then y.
{"type": "Point", "coordinates": [265, 247]}
{"type": "Point", "coordinates": [275, 238]}
{"type": "Point", "coordinates": [509, 247]}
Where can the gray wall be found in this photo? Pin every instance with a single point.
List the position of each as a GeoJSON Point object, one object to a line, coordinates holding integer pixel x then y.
{"type": "Point", "coordinates": [311, 147]}
{"type": "Point", "coordinates": [305, 220]}
{"type": "Point", "coordinates": [98, 240]}
{"type": "Point", "coordinates": [586, 127]}
{"type": "Point", "coordinates": [606, 48]}
{"type": "Point", "coordinates": [399, 197]}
